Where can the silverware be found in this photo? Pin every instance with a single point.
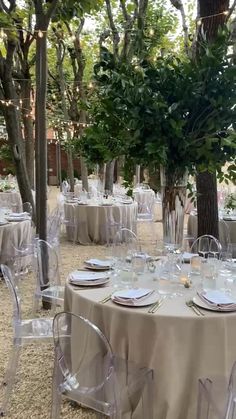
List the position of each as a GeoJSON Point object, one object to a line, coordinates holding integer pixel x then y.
{"type": "Point", "coordinates": [105, 299]}
{"type": "Point", "coordinates": [156, 306]}
{"type": "Point", "coordinates": [196, 310]}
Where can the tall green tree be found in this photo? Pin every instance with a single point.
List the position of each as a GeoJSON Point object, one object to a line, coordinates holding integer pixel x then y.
{"type": "Point", "coordinates": [10, 21]}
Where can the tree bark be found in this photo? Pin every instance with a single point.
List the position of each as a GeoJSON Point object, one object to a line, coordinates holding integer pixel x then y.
{"type": "Point", "coordinates": [41, 132]}
{"type": "Point", "coordinates": [109, 176]}
{"type": "Point", "coordinates": [13, 126]}
{"type": "Point", "coordinates": [207, 205]}
{"type": "Point", "coordinates": [28, 130]}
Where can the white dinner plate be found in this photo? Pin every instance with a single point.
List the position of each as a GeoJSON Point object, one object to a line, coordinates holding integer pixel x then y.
{"type": "Point", "coordinates": [3, 223]}
{"type": "Point", "coordinates": [16, 219]}
{"type": "Point", "coordinates": [197, 300]}
{"type": "Point", "coordinates": [89, 283]}
{"type": "Point", "coordinates": [80, 275]}
{"type": "Point", "coordinates": [151, 299]}
{"type": "Point", "coordinates": [102, 265]}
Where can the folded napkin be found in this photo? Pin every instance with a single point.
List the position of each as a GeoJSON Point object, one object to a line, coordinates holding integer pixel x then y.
{"type": "Point", "coordinates": [87, 276]}
{"type": "Point", "coordinates": [218, 300]}
{"type": "Point", "coordinates": [99, 262]}
{"type": "Point", "coordinates": [19, 214]}
{"type": "Point", "coordinates": [132, 296]}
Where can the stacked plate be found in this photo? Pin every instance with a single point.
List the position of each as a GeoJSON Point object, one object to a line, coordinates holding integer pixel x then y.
{"type": "Point", "coordinates": [136, 297]}
{"type": "Point", "coordinates": [215, 300]}
{"type": "Point", "coordinates": [18, 216]}
{"type": "Point", "coordinates": [98, 264]}
{"type": "Point", "coordinates": [88, 279]}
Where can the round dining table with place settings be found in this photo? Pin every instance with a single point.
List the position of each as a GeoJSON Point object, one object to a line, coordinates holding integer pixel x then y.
{"type": "Point", "coordinates": [94, 223]}
{"type": "Point", "coordinates": [176, 343]}
{"type": "Point", "coordinates": [13, 234]}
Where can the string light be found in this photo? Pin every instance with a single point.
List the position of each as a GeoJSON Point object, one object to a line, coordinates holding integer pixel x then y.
{"type": "Point", "coordinates": [200, 19]}
{"type": "Point", "coordinates": [40, 34]}
{"type": "Point", "coordinates": [151, 32]}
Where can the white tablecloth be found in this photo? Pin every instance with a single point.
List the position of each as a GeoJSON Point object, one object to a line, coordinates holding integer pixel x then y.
{"type": "Point", "coordinates": [16, 234]}
{"type": "Point", "coordinates": [11, 200]}
{"type": "Point", "coordinates": [227, 231]}
{"type": "Point", "coordinates": [97, 223]}
{"type": "Point", "coordinates": [178, 345]}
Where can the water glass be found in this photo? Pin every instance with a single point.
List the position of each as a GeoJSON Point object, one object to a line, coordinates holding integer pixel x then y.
{"type": "Point", "coordinates": [138, 262]}
{"type": "Point", "coordinates": [195, 263]}
{"type": "Point", "coordinates": [209, 273]}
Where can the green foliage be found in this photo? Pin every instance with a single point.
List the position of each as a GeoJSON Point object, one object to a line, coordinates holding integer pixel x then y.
{"type": "Point", "coordinates": [230, 202]}
{"type": "Point", "coordinates": [63, 174]}
{"type": "Point", "coordinates": [6, 156]}
{"type": "Point", "coordinates": [174, 112]}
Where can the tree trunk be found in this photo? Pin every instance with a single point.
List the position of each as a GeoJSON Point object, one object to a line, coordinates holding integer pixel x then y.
{"type": "Point", "coordinates": [15, 140]}
{"type": "Point", "coordinates": [207, 204]}
{"type": "Point", "coordinates": [13, 127]}
{"type": "Point", "coordinates": [42, 22]}
{"type": "Point", "coordinates": [120, 166]}
{"type": "Point", "coordinates": [41, 133]}
{"type": "Point", "coordinates": [109, 176]}
{"type": "Point", "coordinates": [28, 130]}
{"type": "Point", "coordinates": [207, 208]}
{"type": "Point", "coordinates": [70, 169]}
{"type": "Point", "coordinates": [84, 174]}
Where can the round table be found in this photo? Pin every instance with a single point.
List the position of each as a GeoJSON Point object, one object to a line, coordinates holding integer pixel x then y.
{"type": "Point", "coordinates": [14, 234]}
{"type": "Point", "coordinates": [179, 346]}
{"type": "Point", "coordinates": [227, 231]}
{"type": "Point", "coordinates": [11, 200]}
{"type": "Point", "coordinates": [98, 223]}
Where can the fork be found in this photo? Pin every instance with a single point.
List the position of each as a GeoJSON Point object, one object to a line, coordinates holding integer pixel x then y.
{"type": "Point", "coordinates": [105, 299]}
{"type": "Point", "coordinates": [154, 307]}
{"type": "Point", "coordinates": [196, 310]}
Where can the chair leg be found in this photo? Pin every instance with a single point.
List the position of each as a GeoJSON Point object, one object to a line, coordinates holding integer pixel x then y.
{"type": "Point", "coordinates": [35, 308]}
{"type": "Point", "coordinates": [56, 394]}
{"type": "Point", "coordinates": [9, 378]}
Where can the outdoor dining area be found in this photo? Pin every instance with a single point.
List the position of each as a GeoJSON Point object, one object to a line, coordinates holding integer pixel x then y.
{"type": "Point", "coordinates": [117, 209]}
{"type": "Point", "coordinates": [150, 307]}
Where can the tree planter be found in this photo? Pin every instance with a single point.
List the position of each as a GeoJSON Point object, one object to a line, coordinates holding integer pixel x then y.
{"type": "Point", "coordinates": [173, 190]}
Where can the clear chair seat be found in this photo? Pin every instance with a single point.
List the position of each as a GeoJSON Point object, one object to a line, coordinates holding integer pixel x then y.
{"type": "Point", "coordinates": [34, 329]}
{"type": "Point", "coordinates": [55, 292]}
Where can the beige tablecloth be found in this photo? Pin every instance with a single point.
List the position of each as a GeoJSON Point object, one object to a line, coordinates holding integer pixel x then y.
{"type": "Point", "coordinates": [227, 231]}
{"type": "Point", "coordinates": [97, 223]}
{"type": "Point", "coordinates": [178, 345]}
{"type": "Point", "coordinates": [16, 234]}
{"type": "Point", "coordinates": [11, 200]}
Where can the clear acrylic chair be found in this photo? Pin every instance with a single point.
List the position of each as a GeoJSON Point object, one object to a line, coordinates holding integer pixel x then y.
{"type": "Point", "coordinates": [48, 284]}
{"type": "Point", "coordinates": [65, 186]}
{"type": "Point", "coordinates": [24, 332]}
{"type": "Point", "coordinates": [22, 258]}
{"type": "Point", "coordinates": [205, 245]}
{"type": "Point", "coordinates": [220, 404]}
{"type": "Point", "coordinates": [27, 207]}
{"type": "Point", "coordinates": [53, 226]}
{"type": "Point", "coordinates": [87, 372]}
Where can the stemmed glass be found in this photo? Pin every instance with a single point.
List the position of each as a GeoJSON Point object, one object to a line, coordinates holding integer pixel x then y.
{"type": "Point", "coordinates": [203, 247]}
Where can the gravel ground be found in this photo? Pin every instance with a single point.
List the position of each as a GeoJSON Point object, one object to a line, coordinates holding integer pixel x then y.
{"type": "Point", "coordinates": [31, 398]}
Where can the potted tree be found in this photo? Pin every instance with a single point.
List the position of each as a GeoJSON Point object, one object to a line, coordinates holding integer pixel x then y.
{"type": "Point", "coordinates": [177, 114]}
